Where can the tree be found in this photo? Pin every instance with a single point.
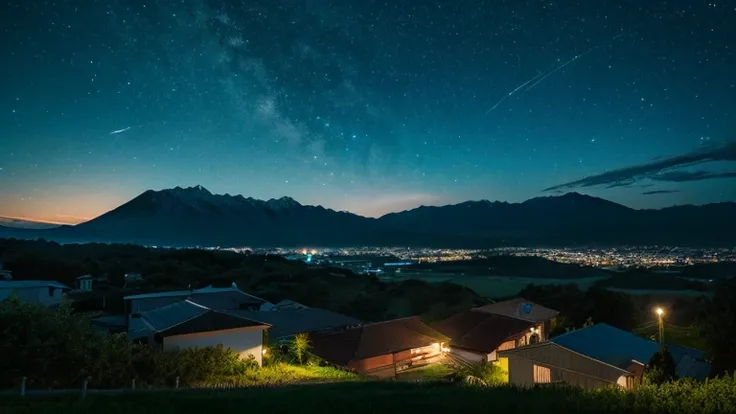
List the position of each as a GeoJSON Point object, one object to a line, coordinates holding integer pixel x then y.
{"type": "Point", "coordinates": [300, 346]}
{"type": "Point", "coordinates": [661, 368]}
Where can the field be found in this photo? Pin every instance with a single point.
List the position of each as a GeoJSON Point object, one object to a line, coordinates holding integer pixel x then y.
{"type": "Point", "coordinates": [493, 287]}
{"type": "Point", "coordinates": [403, 397]}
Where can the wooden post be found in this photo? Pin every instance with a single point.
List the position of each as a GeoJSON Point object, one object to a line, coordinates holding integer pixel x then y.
{"type": "Point", "coordinates": [132, 385]}
{"type": "Point", "coordinates": [84, 387]}
{"type": "Point", "coordinates": [23, 387]}
{"type": "Point", "coordinates": [177, 381]}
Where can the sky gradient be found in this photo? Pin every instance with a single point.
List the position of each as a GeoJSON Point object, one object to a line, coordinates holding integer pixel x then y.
{"type": "Point", "coordinates": [367, 106]}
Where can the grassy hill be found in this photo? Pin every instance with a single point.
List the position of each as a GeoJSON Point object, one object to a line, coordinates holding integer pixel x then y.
{"type": "Point", "coordinates": [386, 397]}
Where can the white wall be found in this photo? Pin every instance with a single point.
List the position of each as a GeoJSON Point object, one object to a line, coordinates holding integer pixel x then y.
{"type": "Point", "coordinates": [40, 295]}
{"type": "Point", "coordinates": [244, 341]}
{"type": "Point", "coordinates": [467, 356]}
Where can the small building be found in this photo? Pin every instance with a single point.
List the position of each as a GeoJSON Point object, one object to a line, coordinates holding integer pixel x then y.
{"type": "Point", "coordinates": [40, 292]}
{"type": "Point", "coordinates": [594, 357]}
{"type": "Point", "coordinates": [5, 274]}
{"type": "Point", "coordinates": [186, 325]}
{"type": "Point", "coordinates": [132, 277]}
{"type": "Point", "coordinates": [288, 322]}
{"type": "Point", "coordinates": [525, 310]}
{"type": "Point", "coordinates": [381, 349]}
{"type": "Point", "coordinates": [477, 336]}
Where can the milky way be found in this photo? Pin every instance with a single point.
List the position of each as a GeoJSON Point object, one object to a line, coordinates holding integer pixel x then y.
{"type": "Point", "coordinates": [368, 106]}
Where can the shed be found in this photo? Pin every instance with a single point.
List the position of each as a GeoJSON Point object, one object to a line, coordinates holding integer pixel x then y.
{"type": "Point", "coordinates": [381, 349]}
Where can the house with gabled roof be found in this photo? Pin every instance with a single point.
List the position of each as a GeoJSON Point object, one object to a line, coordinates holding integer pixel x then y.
{"type": "Point", "coordinates": [526, 310]}
{"type": "Point", "coordinates": [476, 336]}
{"type": "Point", "coordinates": [596, 356]}
{"type": "Point", "coordinates": [381, 349]}
{"type": "Point", "coordinates": [186, 324]}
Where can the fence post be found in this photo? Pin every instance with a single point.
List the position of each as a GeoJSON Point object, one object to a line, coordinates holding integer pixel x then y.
{"type": "Point", "coordinates": [84, 387]}
{"type": "Point", "coordinates": [23, 387]}
{"type": "Point", "coordinates": [132, 385]}
{"type": "Point", "coordinates": [177, 381]}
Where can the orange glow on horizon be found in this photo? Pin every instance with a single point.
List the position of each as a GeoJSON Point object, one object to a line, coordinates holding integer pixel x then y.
{"type": "Point", "coordinates": [74, 220]}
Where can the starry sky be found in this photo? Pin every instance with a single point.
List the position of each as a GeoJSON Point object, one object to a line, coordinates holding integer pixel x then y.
{"type": "Point", "coordinates": [364, 105]}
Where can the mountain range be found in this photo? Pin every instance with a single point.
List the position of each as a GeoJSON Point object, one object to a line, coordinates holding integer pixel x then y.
{"type": "Point", "coordinates": [195, 217]}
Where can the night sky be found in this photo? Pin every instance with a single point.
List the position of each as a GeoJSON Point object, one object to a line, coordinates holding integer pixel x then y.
{"type": "Point", "coordinates": [362, 105]}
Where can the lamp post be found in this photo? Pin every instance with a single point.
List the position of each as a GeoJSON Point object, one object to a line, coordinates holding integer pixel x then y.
{"type": "Point", "coordinates": [660, 320]}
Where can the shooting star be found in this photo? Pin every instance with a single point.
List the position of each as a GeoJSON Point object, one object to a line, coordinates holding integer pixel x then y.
{"type": "Point", "coordinates": [513, 92]}
{"type": "Point", "coordinates": [540, 77]}
{"type": "Point", "coordinates": [119, 131]}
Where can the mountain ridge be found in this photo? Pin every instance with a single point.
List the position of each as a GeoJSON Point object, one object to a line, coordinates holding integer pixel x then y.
{"type": "Point", "coordinates": [195, 216]}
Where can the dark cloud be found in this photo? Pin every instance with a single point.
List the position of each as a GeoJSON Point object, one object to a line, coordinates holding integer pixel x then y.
{"type": "Point", "coordinates": [660, 192]}
{"type": "Point", "coordinates": [683, 176]}
{"type": "Point", "coordinates": [719, 152]}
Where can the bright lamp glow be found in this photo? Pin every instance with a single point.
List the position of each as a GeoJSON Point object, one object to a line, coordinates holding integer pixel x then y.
{"type": "Point", "coordinates": [660, 312]}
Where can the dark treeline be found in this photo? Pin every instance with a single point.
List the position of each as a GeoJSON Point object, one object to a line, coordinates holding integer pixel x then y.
{"type": "Point", "coordinates": [270, 277]}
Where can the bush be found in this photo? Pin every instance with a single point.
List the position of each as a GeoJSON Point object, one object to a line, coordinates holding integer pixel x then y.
{"type": "Point", "coordinates": [54, 348]}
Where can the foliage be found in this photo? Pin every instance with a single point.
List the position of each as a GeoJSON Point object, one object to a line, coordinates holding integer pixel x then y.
{"type": "Point", "coordinates": [55, 348]}
{"type": "Point", "coordinates": [717, 325]}
{"type": "Point", "coordinates": [300, 346]}
{"type": "Point", "coordinates": [661, 368]}
{"type": "Point", "coordinates": [478, 373]}
{"type": "Point", "coordinates": [682, 396]}
{"type": "Point", "coordinates": [270, 277]}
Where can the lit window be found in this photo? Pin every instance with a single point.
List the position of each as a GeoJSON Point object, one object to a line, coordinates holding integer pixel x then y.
{"type": "Point", "coordinates": [542, 375]}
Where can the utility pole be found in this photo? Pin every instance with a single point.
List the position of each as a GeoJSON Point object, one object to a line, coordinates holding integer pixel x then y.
{"type": "Point", "coordinates": [660, 321]}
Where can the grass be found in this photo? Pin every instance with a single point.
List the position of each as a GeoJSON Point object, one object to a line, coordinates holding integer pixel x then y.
{"type": "Point", "coordinates": [284, 374]}
{"type": "Point", "coordinates": [404, 397]}
{"type": "Point", "coordinates": [427, 372]}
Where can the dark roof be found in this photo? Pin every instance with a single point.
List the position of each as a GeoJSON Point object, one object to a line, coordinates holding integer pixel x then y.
{"type": "Point", "coordinates": [481, 331]}
{"type": "Point", "coordinates": [618, 348]}
{"type": "Point", "coordinates": [209, 321]}
{"type": "Point", "coordinates": [217, 298]}
{"type": "Point", "coordinates": [286, 323]}
{"type": "Point", "coordinates": [520, 308]}
{"type": "Point", "coordinates": [375, 339]}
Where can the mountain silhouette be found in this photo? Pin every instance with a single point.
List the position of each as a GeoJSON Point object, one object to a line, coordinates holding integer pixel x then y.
{"type": "Point", "coordinates": [195, 217]}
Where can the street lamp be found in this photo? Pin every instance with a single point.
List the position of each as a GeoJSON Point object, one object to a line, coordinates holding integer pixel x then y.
{"type": "Point", "coordinates": [660, 320]}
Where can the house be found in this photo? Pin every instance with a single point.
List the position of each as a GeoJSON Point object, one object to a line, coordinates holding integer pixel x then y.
{"type": "Point", "coordinates": [475, 336]}
{"type": "Point", "coordinates": [288, 322]}
{"type": "Point", "coordinates": [185, 324]}
{"type": "Point", "coordinates": [596, 356]}
{"type": "Point", "coordinates": [525, 310]}
{"type": "Point", "coordinates": [226, 298]}
{"type": "Point", "coordinates": [86, 282]}
{"type": "Point", "coordinates": [40, 292]}
{"type": "Point", "coordinates": [381, 349]}
{"type": "Point", "coordinates": [5, 274]}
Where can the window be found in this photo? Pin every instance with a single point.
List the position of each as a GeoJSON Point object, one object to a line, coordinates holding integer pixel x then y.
{"type": "Point", "coordinates": [51, 291]}
{"type": "Point", "coordinates": [542, 375]}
